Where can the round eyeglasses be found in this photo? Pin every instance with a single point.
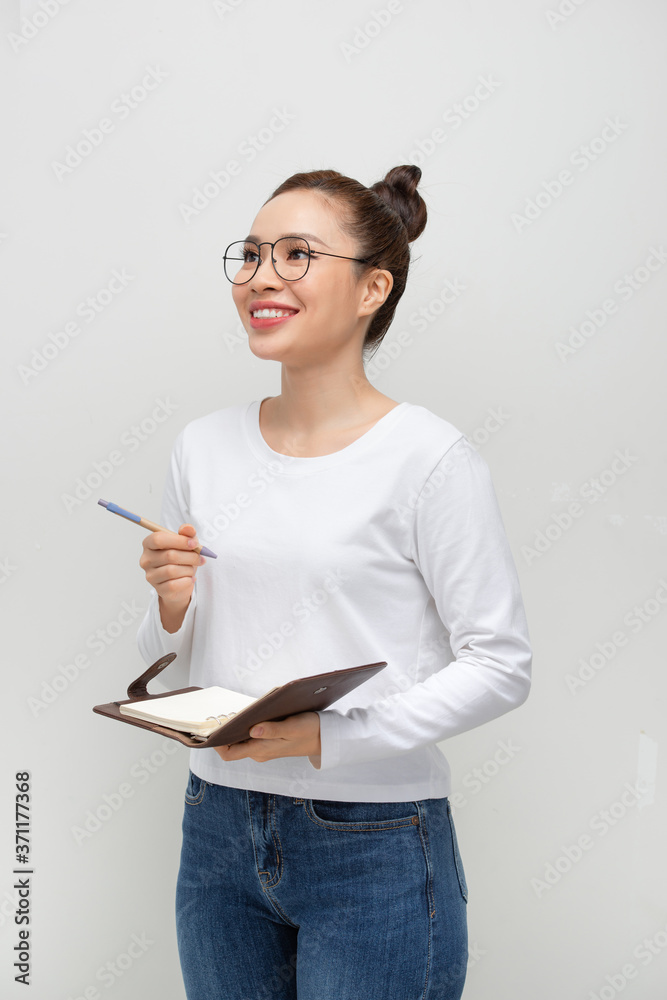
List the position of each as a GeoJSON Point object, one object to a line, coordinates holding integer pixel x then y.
{"type": "Point", "coordinates": [290, 256]}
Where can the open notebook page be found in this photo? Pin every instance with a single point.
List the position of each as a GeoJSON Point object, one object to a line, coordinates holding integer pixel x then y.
{"type": "Point", "coordinates": [188, 711]}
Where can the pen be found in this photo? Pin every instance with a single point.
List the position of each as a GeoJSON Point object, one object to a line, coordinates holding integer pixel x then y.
{"type": "Point", "coordinates": [151, 525]}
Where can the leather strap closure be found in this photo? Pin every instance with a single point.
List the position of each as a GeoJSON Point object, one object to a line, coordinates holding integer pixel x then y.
{"type": "Point", "coordinates": [138, 688]}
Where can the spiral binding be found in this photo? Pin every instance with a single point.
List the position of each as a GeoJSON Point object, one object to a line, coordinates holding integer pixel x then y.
{"type": "Point", "coordinates": [218, 718]}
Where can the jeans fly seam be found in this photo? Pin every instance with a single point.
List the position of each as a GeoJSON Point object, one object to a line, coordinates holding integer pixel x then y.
{"type": "Point", "coordinates": [276, 842]}
{"type": "Point", "coordinates": [254, 845]}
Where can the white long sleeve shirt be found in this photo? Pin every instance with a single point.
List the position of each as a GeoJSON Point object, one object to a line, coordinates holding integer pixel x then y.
{"type": "Point", "coordinates": [392, 548]}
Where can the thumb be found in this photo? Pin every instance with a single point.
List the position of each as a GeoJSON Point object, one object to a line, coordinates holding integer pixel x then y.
{"type": "Point", "coordinates": [190, 532]}
{"type": "Point", "coordinates": [263, 730]}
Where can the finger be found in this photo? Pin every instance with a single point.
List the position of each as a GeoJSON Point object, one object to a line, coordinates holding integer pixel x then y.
{"type": "Point", "coordinates": [168, 540]}
{"type": "Point", "coordinates": [178, 583]}
{"type": "Point", "coordinates": [174, 557]}
{"type": "Point", "coordinates": [160, 570]}
{"type": "Point", "coordinates": [189, 532]}
{"type": "Point", "coordinates": [156, 556]}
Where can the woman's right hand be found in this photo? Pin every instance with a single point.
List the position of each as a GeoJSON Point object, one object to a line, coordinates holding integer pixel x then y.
{"type": "Point", "coordinates": [170, 566]}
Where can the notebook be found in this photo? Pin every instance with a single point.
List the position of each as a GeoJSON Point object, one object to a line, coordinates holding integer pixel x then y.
{"type": "Point", "coordinates": [217, 716]}
{"type": "Point", "coordinates": [198, 712]}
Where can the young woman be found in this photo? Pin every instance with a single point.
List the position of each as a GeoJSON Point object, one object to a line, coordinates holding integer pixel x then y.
{"type": "Point", "coordinates": [319, 857]}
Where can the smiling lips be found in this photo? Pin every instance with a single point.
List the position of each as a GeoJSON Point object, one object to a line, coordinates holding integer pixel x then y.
{"type": "Point", "coordinates": [270, 314]}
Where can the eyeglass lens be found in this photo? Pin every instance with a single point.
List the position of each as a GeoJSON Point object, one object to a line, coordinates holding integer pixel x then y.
{"type": "Point", "coordinates": [291, 256]}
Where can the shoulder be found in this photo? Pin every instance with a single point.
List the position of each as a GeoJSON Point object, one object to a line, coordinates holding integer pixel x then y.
{"type": "Point", "coordinates": [204, 430]}
{"type": "Point", "coordinates": [432, 436]}
{"type": "Point", "coordinates": [216, 433]}
{"type": "Point", "coordinates": [433, 425]}
{"type": "Point", "coordinates": [442, 451]}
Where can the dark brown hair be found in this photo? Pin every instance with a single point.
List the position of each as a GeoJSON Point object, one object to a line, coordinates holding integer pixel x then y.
{"type": "Point", "coordinates": [382, 220]}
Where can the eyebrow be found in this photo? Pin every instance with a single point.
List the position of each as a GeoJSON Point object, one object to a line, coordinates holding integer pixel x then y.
{"type": "Point", "coordinates": [308, 236]}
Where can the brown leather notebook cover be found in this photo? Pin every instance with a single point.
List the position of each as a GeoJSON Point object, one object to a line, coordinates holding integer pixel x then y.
{"type": "Point", "coordinates": [305, 694]}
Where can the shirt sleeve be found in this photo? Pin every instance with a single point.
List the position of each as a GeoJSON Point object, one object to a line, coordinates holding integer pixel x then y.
{"type": "Point", "coordinates": [153, 640]}
{"type": "Point", "coordinates": [460, 547]}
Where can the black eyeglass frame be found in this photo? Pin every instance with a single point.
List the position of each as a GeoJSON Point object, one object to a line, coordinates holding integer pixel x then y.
{"type": "Point", "coordinates": [360, 260]}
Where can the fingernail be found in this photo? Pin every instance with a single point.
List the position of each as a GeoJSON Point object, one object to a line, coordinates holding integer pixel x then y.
{"type": "Point", "coordinates": [192, 543]}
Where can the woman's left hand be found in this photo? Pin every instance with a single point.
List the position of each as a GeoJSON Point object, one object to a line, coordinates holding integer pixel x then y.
{"type": "Point", "coordinates": [296, 736]}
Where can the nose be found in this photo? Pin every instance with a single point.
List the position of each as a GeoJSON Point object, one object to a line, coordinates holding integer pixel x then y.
{"type": "Point", "coordinates": [266, 275]}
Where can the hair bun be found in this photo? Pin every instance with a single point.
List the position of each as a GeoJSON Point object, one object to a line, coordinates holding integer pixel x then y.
{"type": "Point", "coordinates": [399, 190]}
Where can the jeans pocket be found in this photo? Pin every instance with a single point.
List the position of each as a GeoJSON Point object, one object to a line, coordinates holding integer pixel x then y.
{"type": "Point", "coordinates": [351, 816]}
{"type": "Point", "coordinates": [457, 855]}
{"type": "Point", "coordinates": [196, 787]}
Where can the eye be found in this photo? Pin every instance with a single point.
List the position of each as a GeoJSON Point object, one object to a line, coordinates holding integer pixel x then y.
{"type": "Point", "coordinates": [294, 253]}
{"type": "Point", "coordinates": [249, 255]}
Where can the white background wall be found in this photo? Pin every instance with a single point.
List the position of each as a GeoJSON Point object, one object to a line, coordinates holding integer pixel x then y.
{"type": "Point", "coordinates": [558, 330]}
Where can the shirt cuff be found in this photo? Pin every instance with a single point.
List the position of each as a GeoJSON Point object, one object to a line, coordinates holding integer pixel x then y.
{"type": "Point", "coordinates": [330, 723]}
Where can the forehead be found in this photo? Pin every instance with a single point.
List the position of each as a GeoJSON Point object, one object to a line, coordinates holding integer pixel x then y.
{"type": "Point", "coordinates": [297, 211]}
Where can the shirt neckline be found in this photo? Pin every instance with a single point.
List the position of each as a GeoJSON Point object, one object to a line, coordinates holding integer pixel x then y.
{"type": "Point", "coordinates": [298, 465]}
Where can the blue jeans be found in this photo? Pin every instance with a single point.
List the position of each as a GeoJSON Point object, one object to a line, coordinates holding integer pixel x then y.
{"type": "Point", "coordinates": [280, 898]}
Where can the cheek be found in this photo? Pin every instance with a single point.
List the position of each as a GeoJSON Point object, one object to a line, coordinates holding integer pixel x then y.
{"type": "Point", "coordinates": [239, 302]}
{"type": "Point", "coordinates": [332, 296]}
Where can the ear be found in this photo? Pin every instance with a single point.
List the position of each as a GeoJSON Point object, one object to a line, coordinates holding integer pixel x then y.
{"type": "Point", "coordinates": [375, 291]}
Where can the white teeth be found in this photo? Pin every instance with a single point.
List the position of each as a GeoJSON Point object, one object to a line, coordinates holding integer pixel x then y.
{"type": "Point", "coordinates": [270, 313]}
